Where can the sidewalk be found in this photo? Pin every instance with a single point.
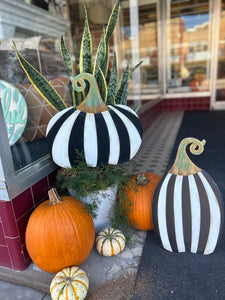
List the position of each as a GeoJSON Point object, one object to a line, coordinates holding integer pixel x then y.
{"type": "Point", "coordinates": [114, 277]}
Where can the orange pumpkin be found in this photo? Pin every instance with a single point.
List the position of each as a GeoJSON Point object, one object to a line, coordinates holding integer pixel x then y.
{"type": "Point", "coordinates": [60, 233]}
{"type": "Point", "coordinates": [199, 85]}
{"type": "Point", "coordinates": [140, 191]}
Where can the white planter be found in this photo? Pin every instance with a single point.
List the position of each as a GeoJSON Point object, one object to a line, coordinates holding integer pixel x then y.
{"type": "Point", "coordinates": [106, 199]}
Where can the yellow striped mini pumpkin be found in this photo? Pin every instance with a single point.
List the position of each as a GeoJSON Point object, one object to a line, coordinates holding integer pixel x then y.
{"type": "Point", "coordinates": [110, 242]}
{"type": "Point", "coordinates": [69, 284]}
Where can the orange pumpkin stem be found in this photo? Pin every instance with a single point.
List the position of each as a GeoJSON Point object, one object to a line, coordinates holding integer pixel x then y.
{"type": "Point", "coordinates": [141, 179]}
{"type": "Point", "coordinates": [54, 197]}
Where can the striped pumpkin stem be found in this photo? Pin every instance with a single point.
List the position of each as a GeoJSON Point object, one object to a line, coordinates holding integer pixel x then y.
{"type": "Point", "coordinates": [54, 197]}
{"type": "Point", "coordinates": [183, 165]}
{"type": "Point", "coordinates": [141, 179]}
{"type": "Point", "coordinates": [93, 102]}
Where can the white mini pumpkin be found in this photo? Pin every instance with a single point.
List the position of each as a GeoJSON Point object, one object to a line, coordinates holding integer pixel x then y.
{"type": "Point", "coordinates": [69, 284]}
{"type": "Point", "coordinates": [110, 242]}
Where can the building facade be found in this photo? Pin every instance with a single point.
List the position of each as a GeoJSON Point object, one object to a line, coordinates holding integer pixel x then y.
{"type": "Point", "coordinates": [182, 48]}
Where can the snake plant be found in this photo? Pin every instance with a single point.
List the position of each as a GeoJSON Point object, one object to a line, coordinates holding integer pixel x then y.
{"type": "Point", "coordinates": [114, 93]}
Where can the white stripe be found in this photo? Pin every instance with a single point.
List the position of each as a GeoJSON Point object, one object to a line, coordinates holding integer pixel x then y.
{"type": "Point", "coordinates": [56, 117]}
{"type": "Point", "coordinates": [134, 136]}
{"type": "Point", "coordinates": [114, 151]}
{"type": "Point", "coordinates": [178, 219]}
{"type": "Point", "coordinates": [60, 145]}
{"type": "Point", "coordinates": [195, 214]}
{"type": "Point", "coordinates": [215, 216]}
{"type": "Point", "coordinates": [90, 140]}
{"type": "Point", "coordinates": [161, 212]}
{"type": "Point", "coordinates": [128, 109]}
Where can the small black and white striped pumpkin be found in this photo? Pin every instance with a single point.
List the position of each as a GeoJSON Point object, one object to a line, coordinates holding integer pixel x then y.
{"type": "Point", "coordinates": [110, 242]}
{"type": "Point", "coordinates": [70, 283]}
{"type": "Point", "coordinates": [187, 207]}
{"type": "Point", "coordinates": [105, 134]}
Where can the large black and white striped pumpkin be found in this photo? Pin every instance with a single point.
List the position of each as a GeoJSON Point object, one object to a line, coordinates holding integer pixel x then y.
{"type": "Point", "coordinates": [187, 206]}
{"type": "Point", "coordinates": [105, 134]}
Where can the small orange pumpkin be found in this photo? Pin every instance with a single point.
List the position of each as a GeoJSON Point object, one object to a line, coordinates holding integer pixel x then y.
{"type": "Point", "coordinates": [60, 233]}
{"type": "Point", "coordinates": [199, 85]}
{"type": "Point", "coordinates": [140, 191]}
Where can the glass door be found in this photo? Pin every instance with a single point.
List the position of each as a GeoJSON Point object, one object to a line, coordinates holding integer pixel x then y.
{"type": "Point", "coordinates": [188, 46]}
{"type": "Point", "coordinates": [139, 41]}
{"type": "Point", "coordinates": [218, 96]}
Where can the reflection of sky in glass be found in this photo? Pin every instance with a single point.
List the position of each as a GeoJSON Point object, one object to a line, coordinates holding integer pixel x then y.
{"type": "Point", "coordinates": [194, 20]}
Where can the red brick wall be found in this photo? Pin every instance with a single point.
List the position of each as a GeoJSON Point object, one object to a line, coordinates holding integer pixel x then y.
{"type": "Point", "coordinates": [14, 216]}
{"type": "Point", "coordinates": [198, 103]}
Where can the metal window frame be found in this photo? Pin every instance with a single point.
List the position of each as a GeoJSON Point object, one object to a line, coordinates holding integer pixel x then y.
{"type": "Point", "coordinates": [216, 11]}
{"type": "Point", "coordinates": [13, 183]}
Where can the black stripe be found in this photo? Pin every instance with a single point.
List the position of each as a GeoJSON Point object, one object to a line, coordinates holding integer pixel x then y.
{"type": "Point", "coordinates": [135, 120]}
{"type": "Point", "coordinates": [186, 213]}
{"type": "Point", "coordinates": [76, 139]}
{"type": "Point", "coordinates": [123, 138]}
{"type": "Point", "coordinates": [57, 125]}
{"type": "Point", "coordinates": [155, 207]}
{"type": "Point", "coordinates": [219, 200]}
{"type": "Point", "coordinates": [102, 139]}
{"type": "Point", "coordinates": [170, 212]}
{"type": "Point", "coordinates": [205, 214]}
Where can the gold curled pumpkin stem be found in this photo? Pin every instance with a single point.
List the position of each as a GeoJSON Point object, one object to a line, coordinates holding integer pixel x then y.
{"type": "Point", "coordinates": [93, 102]}
{"type": "Point", "coordinates": [183, 165]}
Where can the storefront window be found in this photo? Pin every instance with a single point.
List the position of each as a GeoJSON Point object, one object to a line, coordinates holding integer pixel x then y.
{"type": "Point", "coordinates": [141, 43]}
{"type": "Point", "coordinates": [188, 46]}
{"type": "Point", "coordinates": [35, 28]}
{"type": "Point", "coordinates": [220, 82]}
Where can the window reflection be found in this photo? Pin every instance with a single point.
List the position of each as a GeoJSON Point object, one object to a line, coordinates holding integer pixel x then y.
{"type": "Point", "coordinates": [220, 83]}
{"type": "Point", "coordinates": [189, 54]}
{"type": "Point", "coordinates": [36, 31]}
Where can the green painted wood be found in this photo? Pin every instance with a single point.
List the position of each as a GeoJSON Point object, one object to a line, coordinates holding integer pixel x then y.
{"type": "Point", "coordinates": [93, 102]}
{"type": "Point", "coordinates": [183, 165]}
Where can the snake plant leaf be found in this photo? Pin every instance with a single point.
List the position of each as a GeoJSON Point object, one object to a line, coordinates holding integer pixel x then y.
{"type": "Point", "coordinates": [41, 84]}
{"type": "Point", "coordinates": [86, 48]}
{"type": "Point", "coordinates": [112, 21]}
{"type": "Point", "coordinates": [102, 85]}
{"type": "Point", "coordinates": [136, 107]}
{"type": "Point", "coordinates": [123, 87]}
{"type": "Point", "coordinates": [112, 82]}
{"type": "Point", "coordinates": [109, 31]}
{"type": "Point", "coordinates": [135, 67]}
{"type": "Point", "coordinates": [68, 62]}
{"type": "Point", "coordinates": [66, 57]}
{"type": "Point", "coordinates": [105, 63]}
{"type": "Point", "coordinates": [100, 55]}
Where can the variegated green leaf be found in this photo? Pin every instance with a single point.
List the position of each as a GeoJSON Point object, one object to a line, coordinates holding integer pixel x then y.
{"type": "Point", "coordinates": [86, 48]}
{"type": "Point", "coordinates": [112, 21]}
{"type": "Point", "coordinates": [136, 107]}
{"type": "Point", "coordinates": [66, 57]}
{"type": "Point", "coordinates": [41, 84]}
{"type": "Point", "coordinates": [78, 98]}
{"type": "Point", "coordinates": [112, 83]}
{"type": "Point", "coordinates": [102, 85]}
{"type": "Point", "coordinates": [105, 63]}
{"type": "Point", "coordinates": [68, 62]}
{"type": "Point", "coordinates": [100, 55]}
{"type": "Point", "coordinates": [135, 67]}
{"type": "Point", "coordinates": [123, 88]}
